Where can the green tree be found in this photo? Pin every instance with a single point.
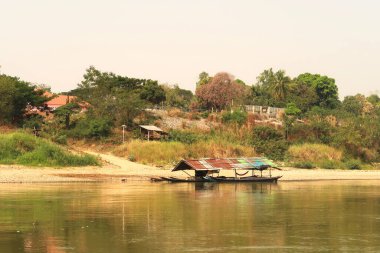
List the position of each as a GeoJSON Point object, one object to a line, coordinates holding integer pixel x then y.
{"type": "Point", "coordinates": [177, 97]}
{"type": "Point", "coordinates": [152, 92]}
{"type": "Point", "coordinates": [302, 95]}
{"type": "Point", "coordinates": [324, 86]}
{"type": "Point", "coordinates": [271, 88]}
{"type": "Point", "coordinates": [266, 78]}
{"type": "Point", "coordinates": [15, 96]}
{"type": "Point", "coordinates": [352, 105]}
{"type": "Point", "coordinates": [291, 113]}
{"type": "Point", "coordinates": [203, 78]}
{"type": "Point", "coordinates": [374, 99]}
{"type": "Point", "coordinates": [292, 109]}
{"type": "Point", "coordinates": [128, 107]}
{"type": "Point", "coordinates": [360, 137]}
{"type": "Point", "coordinates": [239, 81]}
{"type": "Point", "coordinates": [117, 98]}
{"type": "Point", "coordinates": [280, 85]}
{"type": "Point", "coordinates": [64, 112]}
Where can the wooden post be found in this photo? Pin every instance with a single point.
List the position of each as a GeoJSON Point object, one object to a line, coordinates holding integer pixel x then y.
{"type": "Point", "coordinates": [270, 172]}
{"type": "Point", "coordinates": [148, 135]}
{"type": "Point", "coordinates": [235, 174]}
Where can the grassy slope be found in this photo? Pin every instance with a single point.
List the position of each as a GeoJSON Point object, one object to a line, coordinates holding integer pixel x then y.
{"type": "Point", "coordinates": [25, 149]}
{"type": "Point", "coordinates": [165, 153]}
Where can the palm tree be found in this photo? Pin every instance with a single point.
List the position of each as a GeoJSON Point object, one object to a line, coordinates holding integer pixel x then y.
{"type": "Point", "coordinates": [280, 85]}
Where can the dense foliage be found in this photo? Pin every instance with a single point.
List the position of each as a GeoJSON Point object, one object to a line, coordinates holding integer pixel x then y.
{"type": "Point", "coordinates": [119, 100]}
{"type": "Point", "coordinates": [270, 142]}
{"type": "Point", "coordinates": [239, 117]}
{"type": "Point", "coordinates": [15, 96]}
{"type": "Point", "coordinates": [177, 97]}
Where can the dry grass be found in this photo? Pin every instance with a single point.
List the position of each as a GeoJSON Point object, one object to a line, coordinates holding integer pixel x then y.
{"type": "Point", "coordinates": [219, 149]}
{"type": "Point", "coordinates": [314, 153]}
{"type": "Point", "coordinates": [4, 129]}
{"type": "Point", "coordinates": [175, 112]}
{"type": "Point", "coordinates": [169, 153]}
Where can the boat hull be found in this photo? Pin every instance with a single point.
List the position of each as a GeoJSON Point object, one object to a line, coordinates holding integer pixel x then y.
{"type": "Point", "coordinates": [218, 179]}
{"type": "Point", "coordinates": [246, 179]}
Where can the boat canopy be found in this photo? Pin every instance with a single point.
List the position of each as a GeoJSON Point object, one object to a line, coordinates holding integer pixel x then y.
{"type": "Point", "coordinates": [214, 164]}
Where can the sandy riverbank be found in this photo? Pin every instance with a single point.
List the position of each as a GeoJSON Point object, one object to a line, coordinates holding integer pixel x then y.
{"type": "Point", "coordinates": [119, 169]}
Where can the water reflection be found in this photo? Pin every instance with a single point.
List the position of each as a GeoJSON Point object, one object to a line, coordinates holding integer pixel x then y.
{"type": "Point", "coordinates": [204, 217]}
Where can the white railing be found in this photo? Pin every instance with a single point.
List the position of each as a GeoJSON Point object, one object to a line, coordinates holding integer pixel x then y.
{"type": "Point", "coordinates": [272, 112]}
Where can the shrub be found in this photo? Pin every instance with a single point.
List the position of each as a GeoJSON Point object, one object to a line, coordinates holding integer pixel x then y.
{"type": "Point", "coordinates": [304, 165]}
{"type": "Point", "coordinates": [33, 121]}
{"type": "Point", "coordinates": [264, 133]}
{"type": "Point", "coordinates": [60, 139]}
{"type": "Point", "coordinates": [270, 142]}
{"type": "Point", "coordinates": [313, 153]}
{"type": "Point", "coordinates": [184, 137]}
{"type": "Point", "coordinates": [25, 149]}
{"type": "Point", "coordinates": [329, 164]}
{"type": "Point", "coordinates": [353, 164]}
{"type": "Point", "coordinates": [273, 149]}
{"type": "Point", "coordinates": [292, 109]}
{"type": "Point", "coordinates": [238, 117]}
{"type": "Point", "coordinates": [204, 114]}
{"type": "Point", "coordinates": [91, 128]}
{"type": "Point", "coordinates": [132, 158]}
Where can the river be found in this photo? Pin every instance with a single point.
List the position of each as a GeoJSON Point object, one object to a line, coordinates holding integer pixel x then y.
{"type": "Point", "coordinates": [326, 216]}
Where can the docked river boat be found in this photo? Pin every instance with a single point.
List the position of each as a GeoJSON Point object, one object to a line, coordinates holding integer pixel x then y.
{"type": "Point", "coordinates": [207, 170]}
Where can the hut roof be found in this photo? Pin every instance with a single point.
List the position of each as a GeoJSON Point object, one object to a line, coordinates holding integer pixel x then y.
{"type": "Point", "coordinates": [214, 164]}
{"type": "Point", "coordinates": [152, 128]}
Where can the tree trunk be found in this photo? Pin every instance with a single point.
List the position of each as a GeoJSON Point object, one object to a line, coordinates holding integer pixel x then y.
{"type": "Point", "coordinates": [67, 121]}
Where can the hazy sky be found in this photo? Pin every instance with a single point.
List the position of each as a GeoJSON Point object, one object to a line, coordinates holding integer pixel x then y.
{"type": "Point", "coordinates": [53, 42]}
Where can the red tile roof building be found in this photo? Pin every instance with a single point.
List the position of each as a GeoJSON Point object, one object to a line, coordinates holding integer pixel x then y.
{"type": "Point", "coordinates": [59, 101]}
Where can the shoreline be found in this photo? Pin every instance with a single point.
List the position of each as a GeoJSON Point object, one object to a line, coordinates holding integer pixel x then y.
{"type": "Point", "coordinates": [16, 174]}
{"type": "Point", "coordinates": [118, 169]}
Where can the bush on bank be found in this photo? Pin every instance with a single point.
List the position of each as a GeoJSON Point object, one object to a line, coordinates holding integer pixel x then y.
{"type": "Point", "coordinates": [26, 149]}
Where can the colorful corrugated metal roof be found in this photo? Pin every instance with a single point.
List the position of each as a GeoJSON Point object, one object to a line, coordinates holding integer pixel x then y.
{"type": "Point", "coordinates": [253, 163]}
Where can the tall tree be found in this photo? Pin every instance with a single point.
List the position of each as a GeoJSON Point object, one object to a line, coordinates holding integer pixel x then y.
{"type": "Point", "coordinates": [65, 112]}
{"type": "Point", "coordinates": [304, 96]}
{"type": "Point", "coordinates": [152, 92]}
{"type": "Point", "coordinates": [266, 78]}
{"type": "Point", "coordinates": [271, 88]}
{"type": "Point", "coordinates": [177, 97]}
{"type": "Point", "coordinates": [280, 85]}
{"type": "Point", "coordinates": [374, 99]}
{"type": "Point", "coordinates": [109, 94]}
{"type": "Point", "coordinates": [324, 86]}
{"type": "Point", "coordinates": [15, 95]}
{"type": "Point", "coordinates": [203, 78]}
